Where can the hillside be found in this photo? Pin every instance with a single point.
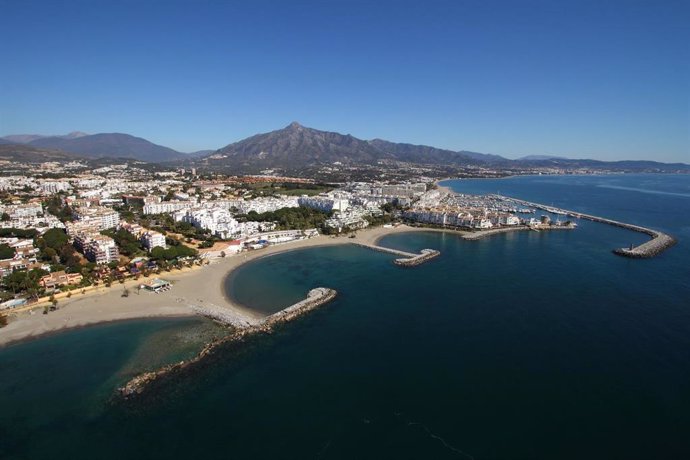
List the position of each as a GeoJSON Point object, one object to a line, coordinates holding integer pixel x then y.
{"type": "Point", "coordinates": [111, 145]}
{"type": "Point", "coordinates": [29, 154]}
{"type": "Point", "coordinates": [298, 146]}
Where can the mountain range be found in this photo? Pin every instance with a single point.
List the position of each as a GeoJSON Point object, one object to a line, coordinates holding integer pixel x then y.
{"type": "Point", "coordinates": [295, 147]}
{"type": "Point", "coordinates": [114, 145]}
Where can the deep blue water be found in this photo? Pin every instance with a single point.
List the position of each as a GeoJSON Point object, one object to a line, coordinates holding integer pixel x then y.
{"type": "Point", "coordinates": [524, 345]}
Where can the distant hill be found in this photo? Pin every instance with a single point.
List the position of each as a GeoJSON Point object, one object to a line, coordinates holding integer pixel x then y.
{"type": "Point", "coordinates": [26, 138]}
{"type": "Point", "coordinates": [110, 145]}
{"type": "Point", "coordinates": [541, 157]}
{"type": "Point", "coordinates": [426, 154]}
{"type": "Point", "coordinates": [621, 166]}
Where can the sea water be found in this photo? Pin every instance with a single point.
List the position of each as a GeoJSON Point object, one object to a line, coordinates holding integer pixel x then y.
{"type": "Point", "coordinates": [522, 345]}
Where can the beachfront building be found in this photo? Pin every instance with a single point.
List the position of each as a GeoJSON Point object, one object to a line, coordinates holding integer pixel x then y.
{"type": "Point", "coordinates": [217, 220]}
{"type": "Point", "coordinates": [151, 239]}
{"type": "Point", "coordinates": [57, 279]}
{"type": "Point", "coordinates": [350, 219]}
{"type": "Point", "coordinates": [99, 248]}
{"type": "Point", "coordinates": [156, 285]}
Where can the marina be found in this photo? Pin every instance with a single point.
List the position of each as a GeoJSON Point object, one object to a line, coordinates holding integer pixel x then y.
{"type": "Point", "coordinates": [660, 241]}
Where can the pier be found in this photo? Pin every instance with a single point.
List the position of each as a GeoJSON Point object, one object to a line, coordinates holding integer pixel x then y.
{"type": "Point", "coordinates": [243, 330]}
{"type": "Point", "coordinates": [407, 259]}
{"type": "Point", "coordinates": [423, 256]}
{"type": "Point", "coordinates": [660, 241]}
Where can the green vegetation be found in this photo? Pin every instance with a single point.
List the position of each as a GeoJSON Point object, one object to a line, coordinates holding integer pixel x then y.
{"type": "Point", "coordinates": [57, 208]}
{"type": "Point", "coordinates": [290, 218]}
{"type": "Point", "coordinates": [55, 238]}
{"type": "Point", "coordinates": [5, 217]}
{"type": "Point", "coordinates": [22, 280]}
{"type": "Point", "coordinates": [18, 233]}
{"type": "Point", "coordinates": [165, 223]}
{"type": "Point", "coordinates": [55, 248]}
{"type": "Point", "coordinates": [6, 252]}
{"type": "Point", "coordinates": [129, 245]}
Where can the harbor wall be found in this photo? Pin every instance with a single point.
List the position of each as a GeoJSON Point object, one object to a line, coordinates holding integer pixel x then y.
{"type": "Point", "coordinates": [660, 241]}
{"type": "Point", "coordinates": [315, 298]}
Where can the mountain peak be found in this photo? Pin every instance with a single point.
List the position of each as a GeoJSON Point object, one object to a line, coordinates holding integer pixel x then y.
{"type": "Point", "coordinates": [294, 125]}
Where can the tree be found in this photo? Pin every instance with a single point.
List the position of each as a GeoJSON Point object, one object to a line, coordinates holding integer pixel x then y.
{"type": "Point", "coordinates": [6, 251]}
{"type": "Point", "coordinates": [5, 217]}
{"type": "Point", "coordinates": [55, 238]}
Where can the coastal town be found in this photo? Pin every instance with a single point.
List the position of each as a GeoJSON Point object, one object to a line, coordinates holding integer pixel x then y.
{"type": "Point", "coordinates": [66, 230]}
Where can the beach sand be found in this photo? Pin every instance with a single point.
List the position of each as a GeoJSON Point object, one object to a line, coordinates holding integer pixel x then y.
{"type": "Point", "coordinates": [202, 286]}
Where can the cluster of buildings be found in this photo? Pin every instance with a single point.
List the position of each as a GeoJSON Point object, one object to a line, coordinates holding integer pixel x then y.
{"type": "Point", "coordinates": [148, 238]}
{"type": "Point", "coordinates": [25, 256]}
{"type": "Point", "coordinates": [28, 215]}
{"type": "Point", "coordinates": [438, 207]}
{"type": "Point", "coordinates": [97, 248]}
{"type": "Point", "coordinates": [465, 218]}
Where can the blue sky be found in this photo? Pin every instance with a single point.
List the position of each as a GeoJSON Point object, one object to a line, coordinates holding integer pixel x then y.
{"type": "Point", "coordinates": [601, 79]}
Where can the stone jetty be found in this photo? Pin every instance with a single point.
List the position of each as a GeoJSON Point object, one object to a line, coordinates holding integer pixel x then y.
{"type": "Point", "coordinates": [659, 242]}
{"type": "Point", "coordinates": [423, 256]}
{"type": "Point", "coordinates": [408, 259]}
{"type": "Point", "coordinates": [243, 330]}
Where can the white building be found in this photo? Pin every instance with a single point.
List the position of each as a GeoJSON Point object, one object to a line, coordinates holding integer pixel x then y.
{"type": "Point", "coordinates": [102, 218]}
{"type": "Point", "coordinates": [166, 207]}
{"type": "Point", "coordinates": [152, 240]}
{"type": "Point", "coordinates": [326, 203]}
{"type": "Point", "coordinates": [100, 249]}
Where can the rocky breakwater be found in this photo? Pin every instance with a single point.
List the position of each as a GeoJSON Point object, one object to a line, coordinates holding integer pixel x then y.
{"type": "Point", "coordinates": [659, 242]}
{"type": "Point", "coordinates": [423, 256]}
{"type": "Point", "coordinates": [243, 330]}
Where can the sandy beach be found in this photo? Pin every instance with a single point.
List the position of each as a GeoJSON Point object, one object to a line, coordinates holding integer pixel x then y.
{"type": "Point", "coordinates": [202, 287]}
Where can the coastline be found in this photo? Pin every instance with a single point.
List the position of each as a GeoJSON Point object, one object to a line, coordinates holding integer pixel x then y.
{"type": "Point", "coordinates": [194, 288]}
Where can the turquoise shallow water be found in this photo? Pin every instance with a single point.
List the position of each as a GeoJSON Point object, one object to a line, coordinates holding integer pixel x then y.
{"type": "Point", "coordinates": [524, 345]}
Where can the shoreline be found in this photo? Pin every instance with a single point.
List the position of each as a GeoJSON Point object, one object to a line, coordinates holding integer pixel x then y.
{"type": "Point", "coordinates": [193, 289]}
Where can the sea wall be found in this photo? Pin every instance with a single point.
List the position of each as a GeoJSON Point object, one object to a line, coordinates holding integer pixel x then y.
{"type": "Point", "coordinates": [659, 242]}
{"type": "Point", "coordinates": [243, 330]}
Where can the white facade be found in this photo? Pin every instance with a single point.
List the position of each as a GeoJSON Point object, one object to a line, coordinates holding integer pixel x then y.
{"type": "Point", "coordinates": [152, 240]}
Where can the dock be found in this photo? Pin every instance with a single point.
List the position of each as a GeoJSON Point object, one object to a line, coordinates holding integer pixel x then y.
{"type": "Point", "coordinates": [406, 259]}
{"type": "Point", "coordinates": [660, 241]}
